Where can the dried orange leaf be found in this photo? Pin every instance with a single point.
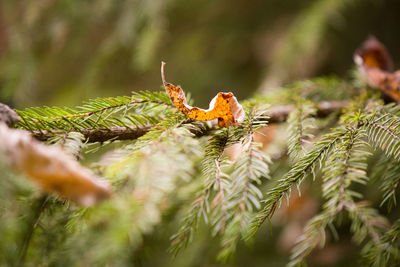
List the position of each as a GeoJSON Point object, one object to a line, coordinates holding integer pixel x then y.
{"type": "Point", "coordinates": [51, 168]}
{"type": "Point", "coordinates": [224, 106]}
{"type": "Point", "coordinates": [376, 65]}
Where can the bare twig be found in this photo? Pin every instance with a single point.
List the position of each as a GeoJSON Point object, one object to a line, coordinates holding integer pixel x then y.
{"type": "Point", "coordinates": [324, 108]}
{"type": "Point", "coordinates": [101, 134]}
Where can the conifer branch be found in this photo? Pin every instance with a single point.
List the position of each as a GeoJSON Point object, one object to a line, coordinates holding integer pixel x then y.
{"type": "Point", "coordinates": [217, 179]}
{"type": "Point", "coordinates": [276, 115]}
{"type": "Point", "coordinates": [200, 206]}
{"type": "Point", "coordinates": [336, 181]}
{"type": "Point", "coordinates": [346, 165]}
{"type": "Point", "coordinates": [387, 253]}
{"type": "Point", "coordinates": [189, 224]}
{"type": "Point", "coordinates": [300, 122]}
{"type": "Point", "coordinates": [295, 176]}
{"type": "Point", "coordinates": [38, 207]}
{"type": "Point", "coordinates": [102, 113]}
{"type": "Point", "coordinates": [249, 169]}
{"type": "Point", "coordinates": [117, 105]}
{"type": "Point", "coordinates": [383, 132]}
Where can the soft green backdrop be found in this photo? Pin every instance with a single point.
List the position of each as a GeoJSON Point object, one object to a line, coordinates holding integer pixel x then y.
{"type": "Point", "coordinates": [62, 52]}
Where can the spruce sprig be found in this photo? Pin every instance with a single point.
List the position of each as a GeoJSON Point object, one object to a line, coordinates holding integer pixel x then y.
{"type": "Point", "coordinates": [306, 165]}
{"type": "Point", "coordinates": [216, 184]}
{"type": "Point", "coordinates": [300, 124]}
{"type": "Point", "coordinates": [383, 130]}
{"type": "Point", "coordinates": [249, 169]}
{"type": "Point", "coordinates": [229, 194]}
{"type": "Point", "coordinates": [387, 253]}
{"type": "Point", "coordinates": [139, 109]}
{"type": "Point", "coordinates": [346, 166]}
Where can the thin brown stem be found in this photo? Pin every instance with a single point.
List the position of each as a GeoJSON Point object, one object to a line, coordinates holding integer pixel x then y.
{"type": "Point", "coordinates": [101, 134]}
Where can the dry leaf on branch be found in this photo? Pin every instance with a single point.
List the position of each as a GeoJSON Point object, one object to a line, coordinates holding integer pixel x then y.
{"type": "Point", "coordinates": [376, 65]}
{"type": "Point", "coordinates": [224, 106]}
{"type": "Point", "coordinates": [51, 168]}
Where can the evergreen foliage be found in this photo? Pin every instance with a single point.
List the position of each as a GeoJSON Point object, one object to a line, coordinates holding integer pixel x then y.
{"type": "Point", "coordinates": [199, 190]}
{"type": "Point", "coordinates": [300, 123]}
{"type": "Point", "coordinates": [139, 109]}
{"type": "Point", "coordinates": [182, 171]}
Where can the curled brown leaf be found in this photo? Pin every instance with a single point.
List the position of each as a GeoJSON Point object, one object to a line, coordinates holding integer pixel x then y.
{"type": "Point", "coordinates": [375, 63]}
{"type": "Point", "coordinates": [51, 168]}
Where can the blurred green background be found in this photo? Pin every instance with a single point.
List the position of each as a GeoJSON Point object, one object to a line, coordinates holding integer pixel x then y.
{"type": "Point", "coordinates": [63, 52]}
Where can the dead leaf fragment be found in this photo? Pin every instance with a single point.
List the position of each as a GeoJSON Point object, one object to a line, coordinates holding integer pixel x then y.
{"type": "Point", "coordinates": [51, 168]}
{"type": "Point", "coordinates": [375, 63]}
{"type": "Point", "coordinates": [8, 115]}
{"type": "Point", "coordinates": [224, 106]}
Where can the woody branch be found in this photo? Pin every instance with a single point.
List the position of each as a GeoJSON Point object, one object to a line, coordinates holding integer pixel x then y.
{"type": "Point", "coordinates": [276, 114]}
